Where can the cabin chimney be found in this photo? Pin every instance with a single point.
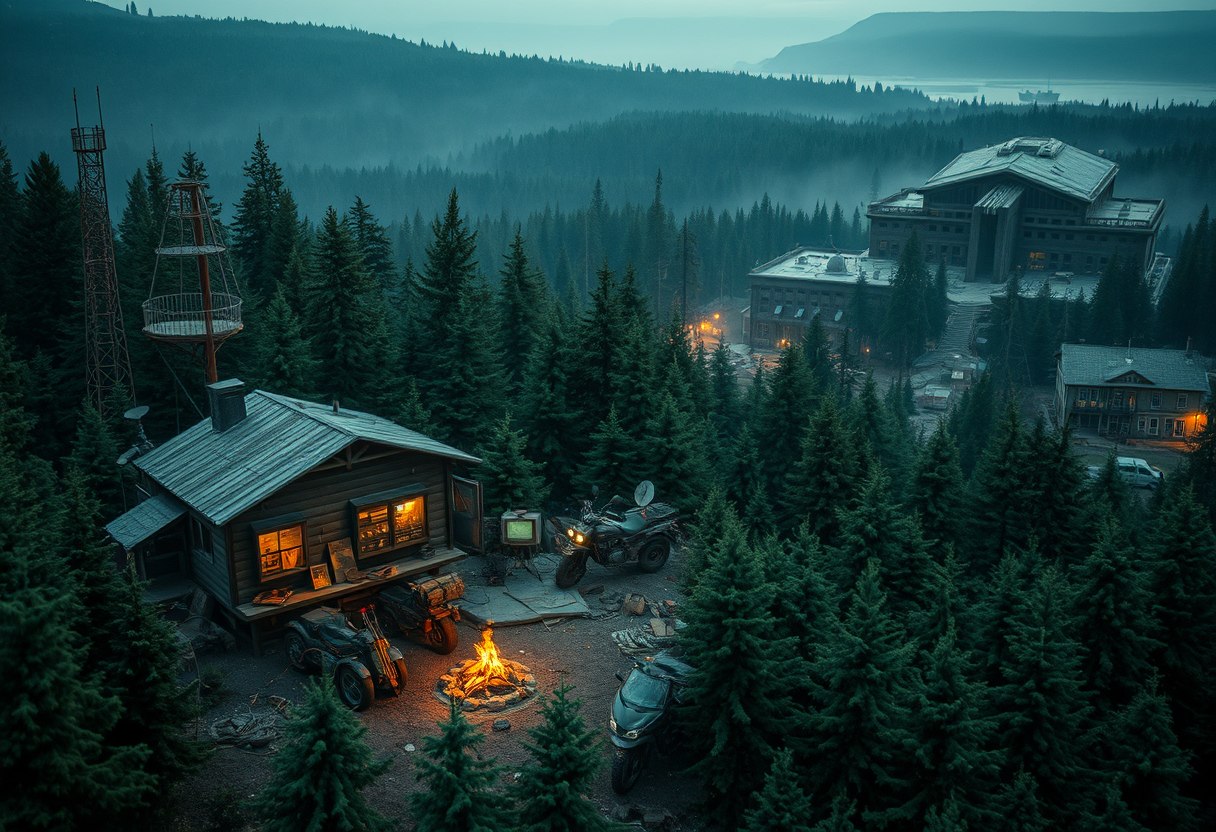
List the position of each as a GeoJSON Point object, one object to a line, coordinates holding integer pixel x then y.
{"type": "Point", "coordinates": [227, 401]}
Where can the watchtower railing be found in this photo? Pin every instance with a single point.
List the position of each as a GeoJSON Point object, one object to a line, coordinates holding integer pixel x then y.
{"type": "Point", "coordinates": [181, 316]}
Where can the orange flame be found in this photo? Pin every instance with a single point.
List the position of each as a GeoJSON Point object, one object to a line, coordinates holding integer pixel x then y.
{"type": "Point", "coordinates": [489, 666]}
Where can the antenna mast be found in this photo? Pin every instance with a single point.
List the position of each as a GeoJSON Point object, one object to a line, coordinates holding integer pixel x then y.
{"type": "Point", "coordinates": [108, 368]}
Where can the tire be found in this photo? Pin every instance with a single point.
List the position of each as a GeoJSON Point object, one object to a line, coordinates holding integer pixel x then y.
{"type": "Point", "coordinates": [654, 554]}
{"type": "Point", "coordinates": [296, 651]}
{"type": "Point", "coordinates": [571, 570]}
{"type": "Point", "coordinates": [627, 768]}
{"type": "Point", "coordinates": [356, 691]}
{"type": "Point", "coordinates": [402, 676]}
{"type": "Point", "coordinates": [443, 637]}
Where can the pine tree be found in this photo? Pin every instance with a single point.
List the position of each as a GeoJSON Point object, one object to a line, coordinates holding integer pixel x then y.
{"type": "Point", "coordinates": [907, 324]}
{"type": "Point", "coordinates": [1152, 769]}
{"type": "Point", "coordinates": [1042, 703]}
{"type": "Point", "coordinates": [10, 210]}
{"type": "Point", "coordinates": [957, 763]}
{"type": "Point", "coordinates": [46, 270]}
{"type": "Point", "coordinates": [937, 488]}
{"type": "Point", "coordinates": [1114, 619]}
{"type": "Point", "coordinates": [372, 240]}
{"type": "Point", "coordinates": [880, 426]}
{"type": "Point", "coordinates": [547, 416]}
{"type": "Point", "coordinates": [786, 405]}
{"type": "Point", "coordinates": [805, 602]}
{"type": "Point", "coordinates": [781, 803]}
{"type": "Point", "coordinates": [15, 423]}
{"type": "Point", "coordinates": [509, 479]}
{"type": "Point", "coordinates": [971, 422]}
{"type": "Point", "coordinates": [521, 307]}
{"type": "Point", "coordinates": [671, 450]}
{"type": "Point", "coordinates": [1017, 806]}
{"type": "Point", "coordinates": [284, 362]}
{"type": "Point", "coordinates": [458, 784]}
{"type": "Point", "coordinates": [253, 222]}
{"type": "Point", "coordinates": [322, 769]}
{"type": "Point", "coordinates": [1000, 494]}
{"type": "Point", "coordinates": [823, 480]}
{"type": "Point", "coordinates": [724, 393]}
{"type": "Point", "coordinates": [412, 413]}
{"type": "Point", "coordinates": [552, 788]}
{"type": "Point", "coordinates": [93, 453]}
{"type": "Point", "coordinates": [1058, 503]}
{"type": "Point", "coordinates": [861, 731]}
{"type": "Point", "coordinates": [737, 707]}
{"type": "Point", "coordinates": [707, 529]}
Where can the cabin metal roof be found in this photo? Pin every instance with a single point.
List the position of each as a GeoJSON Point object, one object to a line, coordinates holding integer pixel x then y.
{"type": "Point", "coordinates": [1048, 162]}
{"type": "Point", "coordinates": [1093, 365]}
{"type": "Point", "coordinates": [220, 475]}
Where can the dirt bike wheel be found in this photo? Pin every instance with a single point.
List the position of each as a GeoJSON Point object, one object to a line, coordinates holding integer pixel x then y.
{"type": "Point", "coordinates": [654, 554]}
{"type": "Point", "coordinates": [571, 570]}
{"type": "Point", "coordinates": [443, 637]}
{"type": "Point", "coordinates": [626, 768]}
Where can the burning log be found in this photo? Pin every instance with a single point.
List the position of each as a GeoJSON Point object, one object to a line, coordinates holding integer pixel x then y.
{"type": "Point", "coordinates": [489, 681]}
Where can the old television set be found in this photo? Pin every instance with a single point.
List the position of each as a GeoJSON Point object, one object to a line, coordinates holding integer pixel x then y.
{"type": "Point", "coordinates": [520, 528]}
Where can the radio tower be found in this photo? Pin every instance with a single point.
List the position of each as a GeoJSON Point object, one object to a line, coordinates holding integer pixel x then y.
{"type": "Point", "coordinates": [108, 367]}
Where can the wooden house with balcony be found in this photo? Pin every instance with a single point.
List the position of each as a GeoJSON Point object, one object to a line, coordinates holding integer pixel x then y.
{"type": "Point", "coordinates": [274, 498]}
{"type": "Point", "coordinates": [1136, 393]}
{"type": "Point", "coordinates": [1032, 203]}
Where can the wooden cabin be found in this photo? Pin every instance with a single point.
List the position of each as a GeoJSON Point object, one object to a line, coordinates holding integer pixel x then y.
{"type": "Point", "coordinates": [273, 493]}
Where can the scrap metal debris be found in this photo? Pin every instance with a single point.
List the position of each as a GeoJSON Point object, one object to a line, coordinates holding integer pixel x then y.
{"type": "Point", "coordinates": [648, 639]}
{"type": "Point", "coordinates": [247, 731]}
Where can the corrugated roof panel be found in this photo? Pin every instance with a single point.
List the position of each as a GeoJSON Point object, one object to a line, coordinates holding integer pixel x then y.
{"type": "Point", "coordinates": [222, 474]}
{"type": "Point", "coordinates": [145, 520]}
{"type": "Point", "coordinates": [1090, 364]}
{"type": "Point", "coordinates": [1071, 171]}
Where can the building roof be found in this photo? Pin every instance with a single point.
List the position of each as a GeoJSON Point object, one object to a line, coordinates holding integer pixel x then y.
{"type": "Point", "coordinates": [145, 520]}
{"type": "Point", "coordinates": [1086, 364]}
{"type": "Point", "coordinates": [220, 475]}
{"type": "Point", "coordinates": [1047, 162]}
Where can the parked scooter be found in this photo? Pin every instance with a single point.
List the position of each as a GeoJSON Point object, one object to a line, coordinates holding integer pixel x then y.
{"type": "Point", "coordinates": [617, 534]}
{"type": "Point", "coordinates": [641, 719]}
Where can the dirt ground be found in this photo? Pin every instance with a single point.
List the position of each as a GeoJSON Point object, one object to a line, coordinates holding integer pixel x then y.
{"type": "Point", "coordinates": [577, 652]}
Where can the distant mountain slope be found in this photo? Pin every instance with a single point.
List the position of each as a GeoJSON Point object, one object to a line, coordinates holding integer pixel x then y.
{"type": "Point", "coordinates": [1145, 46]}
{"type": "Point", "coordinates": [326, 95]}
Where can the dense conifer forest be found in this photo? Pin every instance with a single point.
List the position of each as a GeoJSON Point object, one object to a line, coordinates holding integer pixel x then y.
{"type": "Point", "coordinates": [890, 628]}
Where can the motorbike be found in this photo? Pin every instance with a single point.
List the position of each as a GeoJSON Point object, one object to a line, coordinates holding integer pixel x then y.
{"type": "Point", "coordinates": [641, 719]}
{"type": "Point", "coordinates": [360, 659]}
{"type": "Point", "coordinates": [424, 611]}
{"type": "Point", "coordinates": [616, 534]}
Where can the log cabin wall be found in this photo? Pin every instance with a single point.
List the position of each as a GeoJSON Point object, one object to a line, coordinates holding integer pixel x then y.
{"type": "Point", "coordinates": [322, 497]}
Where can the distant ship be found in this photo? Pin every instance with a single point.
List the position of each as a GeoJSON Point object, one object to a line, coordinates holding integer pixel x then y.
{"type": "Point", "coordinates": [1039, 96]}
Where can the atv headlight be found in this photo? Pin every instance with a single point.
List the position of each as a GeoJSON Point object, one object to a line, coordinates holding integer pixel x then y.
{"type": "Point", "coordinates": [570, 533]}
{"type": "Point", "coordinates": [578, 537]}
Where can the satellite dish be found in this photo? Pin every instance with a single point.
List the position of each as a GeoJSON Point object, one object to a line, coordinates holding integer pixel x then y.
{"type": "Point", "coordinates": [644, 493]}
{"type": "Point", "coordinates": [136, 413]}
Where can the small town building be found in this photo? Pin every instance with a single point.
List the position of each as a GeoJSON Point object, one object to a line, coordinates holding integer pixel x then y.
{"type": "Point", "coordinates": [1131, 392]}
{"type": "Point", "coordinates": [1034, 203]}
{"type": "Point", "coordinates": [275, 505]}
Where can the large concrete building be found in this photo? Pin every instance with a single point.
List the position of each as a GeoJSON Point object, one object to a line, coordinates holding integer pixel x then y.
{"type": "Point", "coordinates": [1036, 203]}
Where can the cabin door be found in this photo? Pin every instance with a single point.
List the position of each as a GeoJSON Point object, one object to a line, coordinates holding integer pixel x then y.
{"type": "Point", "coordinates": [466, 513]}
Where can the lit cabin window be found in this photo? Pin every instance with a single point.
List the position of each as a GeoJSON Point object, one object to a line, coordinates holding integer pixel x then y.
{"type": "Point", "coordinates": [390, 523]}
{"type": "Point", "coordinates": [280, 550]}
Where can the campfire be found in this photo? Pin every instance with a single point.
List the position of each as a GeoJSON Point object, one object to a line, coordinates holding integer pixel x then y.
{"type": "Point", "coordinates": [489, 681]}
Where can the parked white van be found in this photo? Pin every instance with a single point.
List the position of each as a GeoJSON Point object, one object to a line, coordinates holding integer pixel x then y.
{"type": "Point", "coordinates": [1134, 471]}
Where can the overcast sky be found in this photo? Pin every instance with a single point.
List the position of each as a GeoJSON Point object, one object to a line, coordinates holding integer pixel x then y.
{"type": "Point", "coordinates": [713, 34]}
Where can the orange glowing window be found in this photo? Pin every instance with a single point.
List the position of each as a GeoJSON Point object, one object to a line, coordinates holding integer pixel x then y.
{"type": "Point", "coordinates": [280, 550]}
{"type": "Point", "coordinates": [384, 523]}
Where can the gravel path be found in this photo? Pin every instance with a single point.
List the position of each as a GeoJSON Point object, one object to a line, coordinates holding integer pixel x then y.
{"type": "Point", "coordinates": [578, 652]}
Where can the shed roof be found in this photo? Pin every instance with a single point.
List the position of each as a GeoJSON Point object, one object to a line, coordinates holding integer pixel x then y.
{"type": "Point", "coordinates": [146, 519]}
{"type": "Point", "coordinates": [1047, 162]}
{"type": "Point", "coordinates": [1167, 369]}
{"type": "Point", "coordinates": [221, 475]}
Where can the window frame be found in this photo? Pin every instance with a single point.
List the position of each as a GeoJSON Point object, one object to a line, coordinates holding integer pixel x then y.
{"type": "Point", "coordinates": [1182, 401]}
{"type": "Point", "coordinates": [278, 525]}
{"type": "Point", "coordinates": [1154, 401]}
{"type": "Point", "coordinates": [201, 540]}
{"type": "Point", "coordinates": [386, 500]}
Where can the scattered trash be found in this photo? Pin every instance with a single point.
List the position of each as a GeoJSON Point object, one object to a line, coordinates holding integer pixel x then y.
{"type": "Point", "coordinates": [634, 604]}
{"type": "Point", "coordinates": [409, 746]}
{"type": "Point", "coordinates": [502, 725]}
{"type": "Point", "coordinates": [279, 703]}
{"type": "Point", "coordinates": [246, 731]}
{"type": "Point", "coordinates": [646, 640]}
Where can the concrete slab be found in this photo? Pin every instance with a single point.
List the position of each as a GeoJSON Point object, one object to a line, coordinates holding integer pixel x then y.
{"type": "Point", "coordinates": [527, 595]}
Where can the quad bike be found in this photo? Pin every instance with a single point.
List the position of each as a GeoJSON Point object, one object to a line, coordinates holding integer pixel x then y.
{"type": "Point", "coordinates": [617, 534]}
{"type": "Point", "coordinates": [360, 660]}
{"type": "Point", "coordinates": [424, 611]}
{"type": "Point", "coordinates": [641, 720]}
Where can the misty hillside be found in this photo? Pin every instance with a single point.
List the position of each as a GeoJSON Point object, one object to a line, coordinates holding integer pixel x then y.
{"type": "Point", "coordinates": [329, 95]}
{"type": "Point", "coordinates": [1142, 46]}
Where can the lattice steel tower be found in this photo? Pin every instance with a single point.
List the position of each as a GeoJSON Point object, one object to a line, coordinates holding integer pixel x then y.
{"type": "Point", "coordinates": [107, 366]}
